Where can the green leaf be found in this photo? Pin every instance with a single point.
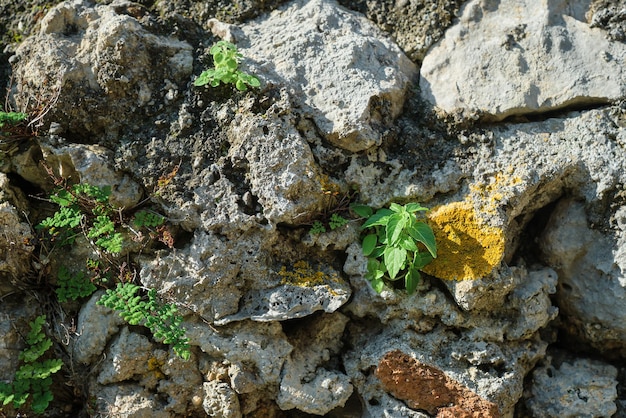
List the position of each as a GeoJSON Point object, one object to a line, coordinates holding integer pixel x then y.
{"type": "Point", "coordinates": [378, 285]}
{"type": "Point", "coordinates": [363, 211]}
{"type": "Point", "coordinates": [415, 207]}
{"type": "Point", "coordinates": [394, 259]}
{"type": "Point", "coordinates": [412, 280]}
{"type": "Point", "coordinates": [111, 243]}
{"type": "Point", "coordinates": [369, 243]}
{"type": "Point", "coordinates": [381, 217]}
{"type": "Point", "coordinates": [395, 225]}
{"type": "Point", "coordinates": [423, 233]}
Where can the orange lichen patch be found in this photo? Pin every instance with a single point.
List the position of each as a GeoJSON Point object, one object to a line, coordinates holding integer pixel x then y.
{"type": "Point", "coordinates": [467, 249]}
{"type": "Point", "coordinates": [304, 275]}
{"type": "Point", "coordinates": [428, 388]}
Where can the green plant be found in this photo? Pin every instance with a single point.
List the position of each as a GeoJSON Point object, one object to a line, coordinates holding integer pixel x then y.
{"type": "Point", "coordinates": [83, 207]}
{"type": "Point", "coordinates": [160, 318]}
{"type": "Point", "coordinates": [317, 228]}
{"type": "Point", "coordinates": [72, 286]}
{"type": "Point", "coordinates": [226, 59]}
{"type": "Point", "coordinates": [336, 221]}
{"type": "Point", "coordinates": [33, 378]}
{"type": "Point", "coordinates": [11, 118]}
{"type": "Point", "coordinates": [394, 243]}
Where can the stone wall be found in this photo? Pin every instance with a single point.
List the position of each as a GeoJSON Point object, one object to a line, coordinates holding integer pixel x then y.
{"type": "Point", "coordinates": [506, 118]}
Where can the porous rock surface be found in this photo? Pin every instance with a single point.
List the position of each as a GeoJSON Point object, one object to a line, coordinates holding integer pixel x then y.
{"type": "Point", "coordinates": [528, 212]}
{"type": "Point", "coordinates": [506, 58]}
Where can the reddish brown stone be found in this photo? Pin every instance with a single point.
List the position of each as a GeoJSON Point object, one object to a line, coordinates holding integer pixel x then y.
{"type": "Point", "coordinates": [428, 388]}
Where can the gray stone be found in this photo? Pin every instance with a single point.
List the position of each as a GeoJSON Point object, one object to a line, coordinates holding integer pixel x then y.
{"type": "Point", "coordinates": [350, 79]}
{"type": "Point", "coordinates": [518, 57]}
{"type": "Point", "coordinates": [220, 401]}
{"type": "Point", "coordinates": [306, 385]}
{"type": "Point", "coordinates": [129, 400]}
{"type": "Point", "coordinates": [88, 57]}
{"type": "Point", "coordinates": [262, 347]}
{"type": "Point", "coordinates": [16, 249]}
{"type": "Point", "coordinates": [92, 164]}
{"type": "Point", "coordinates": [592, 286]}
{"type": "Point", "coordinates": [127, 357]}
{"type": "Point", "coordinates": [96, 325]}
{"type": "Point", "coordinates": [582, 388]}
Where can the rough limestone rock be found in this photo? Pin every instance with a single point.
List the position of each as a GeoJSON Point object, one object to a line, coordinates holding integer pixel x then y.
{"type": "Point", "coordinates": [96, 325]}
{"type": "Point", "coordinates": [428, 388]}
{"type": "Point", "coordinates": [283, 155]}
{"type": "Point", "coordinates": [353, 78]}
{"type": "Point", "coordinates": [589, 269]}
{"type": "Point", "coordinates": [220, 401]}
{"type": "Point", "coordinates": [86, 57]}
{"type": "Point", "coordinates": [129, 400]}
{"type": "Point", "coordinates": [519, 57]}
{"type": "Point", "coordinates": [16, 248]}
{"type": "Point", "coordinates": [579, 388]}
{"type": "Point", "coordinates": [92, 164]}
{"type": "Point", "coordinates": [306, 384]}
{"type": "Point", "coordinates": [277, 326]}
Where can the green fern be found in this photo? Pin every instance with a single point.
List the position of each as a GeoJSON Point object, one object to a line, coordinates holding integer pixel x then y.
{"type": "Point", "coordinates": [33, 378]}
{"type": "Point", "coordinates": [73, 286]}
{"type": "Point", "coordinates": [161, 318]}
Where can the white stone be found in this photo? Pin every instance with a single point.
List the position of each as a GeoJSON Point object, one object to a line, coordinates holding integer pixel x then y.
{"type": "Point", "coordinates": [344, 72]}
{"type": "Point", "coordinates": [515, 57]}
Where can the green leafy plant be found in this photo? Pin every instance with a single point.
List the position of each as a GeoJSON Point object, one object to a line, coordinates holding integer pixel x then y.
{"type": "Point", "coordinates": [159, 317]}
{"type": "Point", "coordinates": [11, 118]}
{"type": "Point", "coordinates": [397, 243]}
{"type": "Point", "coordinates": [336, 221]}
{"type": "Point", "coordinates": [317, 228]}
{"type": "Point", "coordinates": [34, 377]}
{"type": "Point", "coordinates": [84, 206]}
{"type": "Point", "coordinates": [226, 59]}
{"type": "Point", "coordinates": [72, 286]}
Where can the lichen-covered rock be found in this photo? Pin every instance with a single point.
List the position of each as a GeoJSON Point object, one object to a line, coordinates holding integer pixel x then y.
{"type": "Point", "coordinates": [88, 57]}
{"type": "Point", "coordinates": [579, 388]}
{"type": "Point", "coordinates": [353, 78]}
{"type": "Point", "coordinates": [425, 387]}
{"type": "Point", "coordinates": [520, 57]}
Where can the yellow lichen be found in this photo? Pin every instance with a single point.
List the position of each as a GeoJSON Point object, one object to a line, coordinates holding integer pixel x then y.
{"type": "Point", "coordinates": [492, 193]}
{"type": "Point", "coordinates": [467, 249]}
{"type": "Point", "coordinates": [154, 365]}
{"type": "Point", "coordinates": [304, 275]}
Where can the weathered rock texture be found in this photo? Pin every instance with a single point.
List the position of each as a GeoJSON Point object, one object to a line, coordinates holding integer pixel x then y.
{"type": "Point", "coordinates": [514, 57]}
{"type": "Point", "coordinates": [425, 387]}
{"type": "Point", "coordinates": [529, 213]}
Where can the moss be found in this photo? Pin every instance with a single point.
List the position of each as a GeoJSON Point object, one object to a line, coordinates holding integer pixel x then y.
{"type": "Point", "coordinates": [466, 248]}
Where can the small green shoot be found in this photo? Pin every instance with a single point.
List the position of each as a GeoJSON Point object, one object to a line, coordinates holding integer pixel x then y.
{"type": "Point", "coordinates": [226, 59]}
{"type": "Point", "coordinates": [397, 244]}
